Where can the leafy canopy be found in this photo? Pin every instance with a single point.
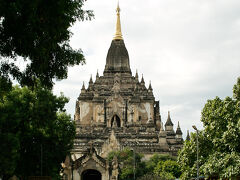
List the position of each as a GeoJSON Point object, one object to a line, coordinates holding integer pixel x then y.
{"type": "Point", "coordinates": [35, 132]}
{"type": "Point", "coordinates": [155, 159]}
{"type": "Point", "coordinates": [159, 166]}
{"type": "Point", "coordinates": [219, 142]}
{"type": "Point", "coordinates": [168, 169]}
{"type": "Point", "coordinates": [39, 32]}
{"type": "Point", "coordinates": [163, 166]}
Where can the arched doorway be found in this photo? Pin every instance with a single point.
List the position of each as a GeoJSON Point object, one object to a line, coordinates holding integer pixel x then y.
{"type": "Point", "coordinates": [91, 174]}
{"type": "Point", "coordinates": [115, 122]}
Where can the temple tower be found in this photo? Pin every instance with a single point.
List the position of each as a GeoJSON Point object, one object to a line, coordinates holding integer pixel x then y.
{"type": "Point", "coordinates": [117, 111]}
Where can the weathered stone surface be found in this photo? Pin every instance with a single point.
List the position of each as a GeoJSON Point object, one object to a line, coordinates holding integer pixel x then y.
{"type": "Point", "coordinates": [118, 105]}
{"type": "Point", "coordinates": [117, 111]}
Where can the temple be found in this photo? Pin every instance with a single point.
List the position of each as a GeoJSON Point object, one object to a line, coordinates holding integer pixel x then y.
{"type": "Point", "coordinates": [114, 112]}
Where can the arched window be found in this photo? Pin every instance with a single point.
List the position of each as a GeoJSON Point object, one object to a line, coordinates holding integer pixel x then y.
{"type": "Point", "coordinates": [115, 122]}
{"type": "Point", "coordinates": [91, 174]}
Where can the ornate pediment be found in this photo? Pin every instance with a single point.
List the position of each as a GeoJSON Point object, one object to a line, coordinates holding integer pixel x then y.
{"type": "Point", "coordinates": [91, 155]}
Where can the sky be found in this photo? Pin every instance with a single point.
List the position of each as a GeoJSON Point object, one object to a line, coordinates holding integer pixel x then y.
{"type": "Point", "coordinates": [188, 49]}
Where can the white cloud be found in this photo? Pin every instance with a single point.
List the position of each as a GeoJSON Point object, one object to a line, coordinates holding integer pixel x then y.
{"type": "Point", "coordinates": [188, 49]}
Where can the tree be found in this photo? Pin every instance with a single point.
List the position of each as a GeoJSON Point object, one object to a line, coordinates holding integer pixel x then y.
{"type": "Point", "coordinates": [219, 142]}
{"type": "Point", "coordinates": [163, 166]}
{"type": "Point", "coordinates": [9, 136]}
{"type": "Point", "coordinates": [188, 154]}
{"type": "Point", "coordinates": [169, 167]}
{"type": "Point", "coordinates": [159, 166]}
{"type": "Point", "coordinates": [126, 161]}
{"type": "Point", "coordinates": [38, 31]}
{"type": "Point", "coordinates": [35, 132]}
{"type": "Point", "coordinates": [155, 159]}
{"type": "Point", "coordinates": [150, 176]}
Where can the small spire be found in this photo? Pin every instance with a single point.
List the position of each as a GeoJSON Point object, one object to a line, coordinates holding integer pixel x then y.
{"type": "Point", "coordinates": [169, 121]}
{"type": "Point", "coordinates": [97, 75]}
{"type": "Point", "coordinates": [162, 133]}
{"type": "Point", "coordinates": [178, 131]}
{"type": "Point", "coordinates": [161, 129]}
{"type": "Point", "coordinates": [90, 81]}
{"type": "Point", "coordinates": [142, 80]}
{"type": "Point", "coordinates": [118, 34]}
{"type": "Point", "coordinates": [136, 76]}
{"type": "Point", "coordinates": [83, 86]}
{"type": "Point", "coordinates": [150, 86]}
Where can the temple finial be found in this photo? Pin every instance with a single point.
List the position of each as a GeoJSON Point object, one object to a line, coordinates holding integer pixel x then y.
{"type": "Point", "coordinates": [83, 86]}
{"type": "Point", "coordinates": [161, 129]}
{"type": "Point", "coordinates": [97, 75]}
{"type": "Point", "coordinates": [118, 8]}
{"type": "Point", "coordinates": [179, 131]}
{"type": "Point", "coordinates": [118, 34]}
{"type": "Point", "coordinates": [142, 80]}
{"type": "Point", "coordinates": [136, 76]}
{"type": "Point", "coordinates": [90, 81]}
{"type": "Point", "coordinates": [169, 121]}
{"type": "Point", "coordinates": [150, 86]}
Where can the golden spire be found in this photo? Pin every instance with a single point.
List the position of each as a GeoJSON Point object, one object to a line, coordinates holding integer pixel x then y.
{"type": "Point", "coordinates": [118, 34]}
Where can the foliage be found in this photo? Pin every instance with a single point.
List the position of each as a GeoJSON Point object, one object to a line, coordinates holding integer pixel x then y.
{"type": "Point", "coordinates": [155, 159]}
{"type": "Point", "coordinates": [5, 86]}
{"type": "Point", "coordinates": [219, 142]}
{"type": "Point", "coordinates": [35, 132]}
{"type": "Point", "coordinates": [226, 164]}
{"type": "Point", "coordinates": [168, 168]}
{"type": "Point", "coordinates": [149, 176]}
{"type": "Point", "coordinates": [159, 166]}
{"type": "Point", "coordinates": [38, 32]}
{"type": "Point", "coordinates": [163, 166]}
{"type": "Point", "coordinates": [188, 154]}
{"type": "Point", "coordinates": [126, 161]}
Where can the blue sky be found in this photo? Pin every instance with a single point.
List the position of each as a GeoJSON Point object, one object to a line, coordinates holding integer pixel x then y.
{"type": "Point", "coordinates": [189, 50]}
